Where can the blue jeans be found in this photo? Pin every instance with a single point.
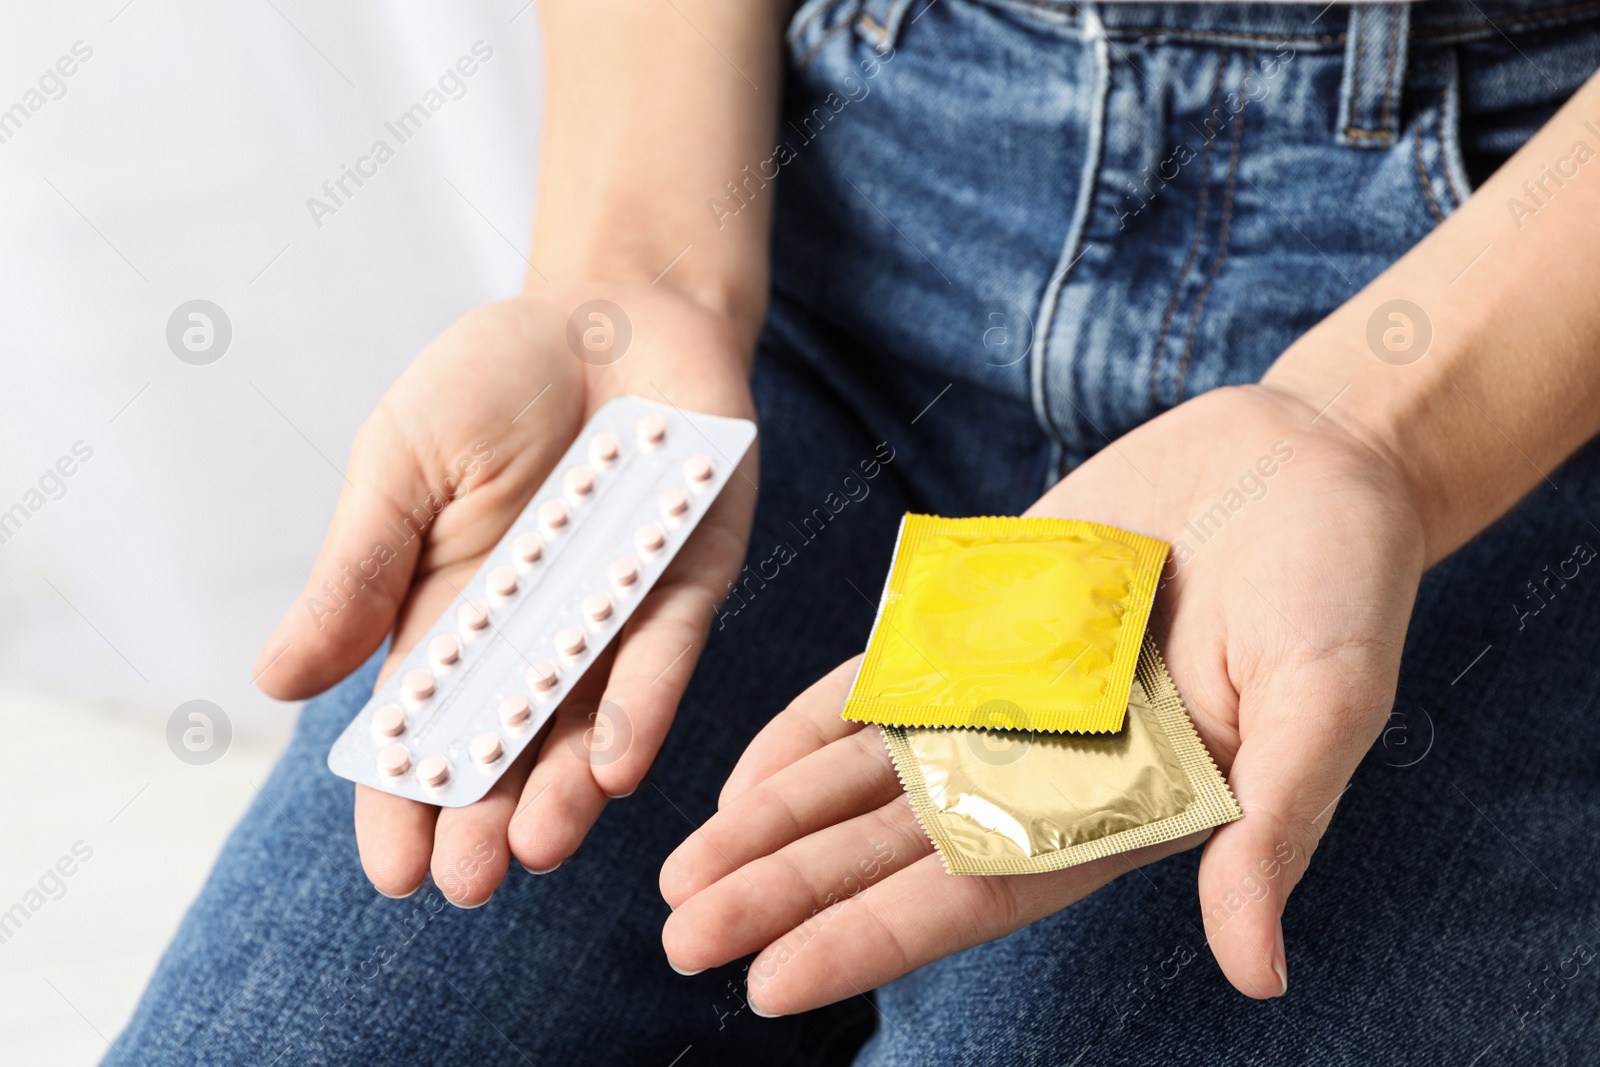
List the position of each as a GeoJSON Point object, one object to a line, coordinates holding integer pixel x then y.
{"type": "Point", "coordinates": [1007, 232]}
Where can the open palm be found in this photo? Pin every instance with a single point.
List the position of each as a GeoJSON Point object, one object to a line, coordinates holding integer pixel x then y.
{"type": "Point", "coordinates": [468, 434]}
{"type": "Point", "coordinates": [1282, 628]}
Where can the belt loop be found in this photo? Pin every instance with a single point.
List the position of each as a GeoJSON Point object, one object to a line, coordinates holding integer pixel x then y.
{"type": "Point", "coordinates": [1374, 73]}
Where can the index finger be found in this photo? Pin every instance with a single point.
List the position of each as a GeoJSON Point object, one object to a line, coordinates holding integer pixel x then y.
{"type": "Point", "coordinates": [915, 916]}
{"type": "Point", "coordinates": [811, 722]}
{"type": "Point", "coordinates": [661, 643]}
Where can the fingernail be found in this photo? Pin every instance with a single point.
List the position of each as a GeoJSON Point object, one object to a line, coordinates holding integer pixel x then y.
{"type": "Point", "coordinates": [1279, 963]}
{"type": "Point", "coordinates": [400, 896]}
{"type": "Point", "coordinates": [757, 1009]}
{"type": "Point", "coordinates": [622, 796]}
{"type": "Point", "coordinates": [681, 971]}
{"type": "Point", "coordinates": [547, 870]}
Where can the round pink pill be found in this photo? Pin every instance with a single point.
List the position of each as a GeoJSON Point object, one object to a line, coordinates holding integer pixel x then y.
{"type": "Point", "coordinates": [596, 607]}
{"type": "Point", "coordinates": [604, 447]}
{"type": "Point", "coordinates": [394, 759]}
{"type": "Point", "coordinates": [553, 514]}
{"type": "Point", "coordinates": [514, 711]}
{"type": "Point", "coordinates": [649, 537]}
{"type": "Point", "coordinates": [485, 748]}
{"type": "Point", "coordinates": [444, 649]}
{"type": "Point", "coordinates": [578, 481]}
{"type": "Point", "coordinates": [697, 468]}
{"type": "Point", "coordinates": [570, 640]}
{"type": "Point", "coordinates": [416, 685]}
{"type": "Point", "coordinates": [673, 502]}
{"type": "Point", "coordinates": [434, 770]}
{"type": "Point", "coordinates": [542, 676]}
{"type": "Point", "coordinates": [527, 548]}
{"type": "Point", "coordinates": [473, 615]}
{"type": "Point", "coordinates": [389, 720]}
{"type": "Point", "coordinates": [501, 581]}
{"type": "Point", "coordinates": [652, 430]}
{"type": "Point", "coordinates": [622, 572]}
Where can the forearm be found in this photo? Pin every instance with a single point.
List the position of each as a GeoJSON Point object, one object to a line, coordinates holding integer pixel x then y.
{"type": "Point", "coordinates": [651, 108]}
{"type": "Point", "coordinates": [1510, 385]}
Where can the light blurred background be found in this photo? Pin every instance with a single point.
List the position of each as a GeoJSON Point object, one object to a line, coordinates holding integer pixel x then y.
{"type": "Point", "coordinates": [175, 164]}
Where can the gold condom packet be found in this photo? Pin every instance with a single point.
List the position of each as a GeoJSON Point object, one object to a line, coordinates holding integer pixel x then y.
{"type": "Point", "coordinates": [982, 616]}
{"type": "Point", "coordinates": [1013, 802]}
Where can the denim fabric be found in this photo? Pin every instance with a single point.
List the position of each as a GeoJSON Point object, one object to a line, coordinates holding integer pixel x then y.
{"type": "Point", "coordinates": [990, 257]}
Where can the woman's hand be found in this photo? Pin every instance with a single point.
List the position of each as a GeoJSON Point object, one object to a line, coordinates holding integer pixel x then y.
{"type": "Point", "coordinates": [470, 431]}
{"type": "Point", "coordinates": [1282, 619]}
{"type": "Point", "coordinates": [1282, 614]}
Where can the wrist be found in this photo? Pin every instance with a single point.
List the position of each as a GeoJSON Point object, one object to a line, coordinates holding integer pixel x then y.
{"type": "Point", "coordinates": [1469, 363]}
{"type": "Point", "coordinates": [737, 296]}
{"type": "Point", "coordinates": [642, 134]}
{"type": "Point", "coordinates": [1400, 416]}
{"type": "Point", "coordinates": [635, 337]}
{"type": "Point", "coordinates": [1437, 413]}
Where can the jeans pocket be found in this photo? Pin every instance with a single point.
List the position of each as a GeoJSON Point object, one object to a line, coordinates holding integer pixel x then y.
{"type": "Point", "coordinates": [1502, 89]}
{"type": "Point", "coordinates": [815, 23]}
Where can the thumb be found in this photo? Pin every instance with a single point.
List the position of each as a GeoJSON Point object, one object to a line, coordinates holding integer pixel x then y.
{"type": "Point", "coordinates": [361, 576]}
{"type": "Point", "coordinates": [1301, 744]}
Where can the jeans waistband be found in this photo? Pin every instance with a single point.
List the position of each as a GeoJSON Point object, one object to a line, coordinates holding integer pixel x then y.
{"type": "Point", "coordinates": [1315, 26]}
{"type": "Point", "coordinates": [1378, 39]}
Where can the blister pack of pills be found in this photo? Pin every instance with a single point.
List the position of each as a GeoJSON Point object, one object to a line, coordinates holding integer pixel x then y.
{"type": "Point", "coordinates": [550, 596]}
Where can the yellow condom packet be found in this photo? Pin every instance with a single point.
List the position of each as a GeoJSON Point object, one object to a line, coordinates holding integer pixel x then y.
{"type": "Point", "coordinates": [983, 617]}
{"type": "Point", "coordinates": [1014, 802]}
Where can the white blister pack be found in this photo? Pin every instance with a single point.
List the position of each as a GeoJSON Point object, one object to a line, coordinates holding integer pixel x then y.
{"type": "Point", "coordinates": [547, 600]}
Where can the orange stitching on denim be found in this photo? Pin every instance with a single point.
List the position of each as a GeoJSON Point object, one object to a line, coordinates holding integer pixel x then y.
{"type": "Point", "coordinates": [805, 61]}
{"type": "Point", "coordinates": [1355, 73]}
{"type": "Point", "coordinates": [1422, 176]}
{"type": "Point", "coordinates": [874, 27]}
{"type": "Point", "coordinates": [1532, 21]}
{"type": "Point", "coordinates": [1069, 10]}
{"type": "Point", "coordinates": [1391, 58]}
{"type": "Point", "coordinates": [1199, 234]}
{"type": "Point", "coordinates": [1444, 164]}
{"type": "Point", "coordinates": [1222, 245]}
{"type": "Point", "coordinates": [799, 31]}
{"type": "Point", "coordinates": [1229, 36]}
